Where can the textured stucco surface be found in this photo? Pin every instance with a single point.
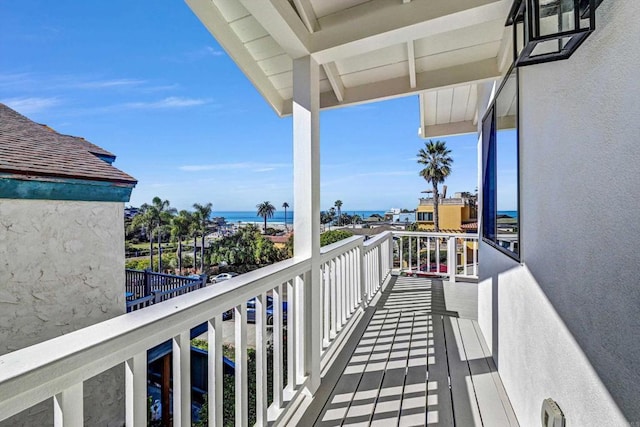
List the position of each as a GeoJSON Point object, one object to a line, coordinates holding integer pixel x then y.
{"type": "Point", "coordinates": [567, 318]}
{"type": "Point", "coordinates": [61, 269]}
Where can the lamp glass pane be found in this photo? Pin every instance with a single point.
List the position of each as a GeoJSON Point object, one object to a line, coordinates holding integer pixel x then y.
{"type": "Point", "coordinates": [555, 16]}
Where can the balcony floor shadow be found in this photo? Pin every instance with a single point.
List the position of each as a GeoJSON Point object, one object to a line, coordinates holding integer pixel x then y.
{"type": "Point", "coordinates": [412, 362]}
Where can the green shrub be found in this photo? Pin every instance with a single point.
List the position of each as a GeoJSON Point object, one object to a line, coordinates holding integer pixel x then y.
{"type": "Point", "coordinates": [329, 237]}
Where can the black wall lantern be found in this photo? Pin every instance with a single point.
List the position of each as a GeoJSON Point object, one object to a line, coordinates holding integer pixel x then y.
{"type": "Point", "coordinates": [550, 30]}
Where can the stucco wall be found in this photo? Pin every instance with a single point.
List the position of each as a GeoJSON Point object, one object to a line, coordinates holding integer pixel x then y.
{"type": "Point", "coordinates": [61, 269]}
{"type": "Point", "coordinates": [567, 321]}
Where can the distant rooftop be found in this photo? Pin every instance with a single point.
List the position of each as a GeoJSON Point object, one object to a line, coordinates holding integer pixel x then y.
{"type": "Point", "coordinates": [30, 150]}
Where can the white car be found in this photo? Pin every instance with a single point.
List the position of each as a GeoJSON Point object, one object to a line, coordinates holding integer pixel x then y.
{"type": "Point", "coordinates": [222, 277]}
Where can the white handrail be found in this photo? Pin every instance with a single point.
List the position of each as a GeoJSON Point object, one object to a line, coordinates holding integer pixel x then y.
{"type": "Point", "coordinates": [32, 374]}
{"type": "Point", "coordinates": [353, 271]}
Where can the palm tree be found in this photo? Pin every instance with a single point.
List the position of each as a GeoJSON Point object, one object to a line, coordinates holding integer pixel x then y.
{"type": "Point", "coordinates": [144, 221]}
{"type": "Point", "coordinates": [202, 214]}
{"type": "Point", "coordinates": [435, 156]}
{"type": "Point", "coordinates": [265, 210]}
{"type": "Point", "coordinates": [180, 227]}
{"type": "Point", "coordinates": [338, 205]}
{"type": "Point", "coordinates": [162, 214]}
{"type": "Point", "coordinates": [285, 205]}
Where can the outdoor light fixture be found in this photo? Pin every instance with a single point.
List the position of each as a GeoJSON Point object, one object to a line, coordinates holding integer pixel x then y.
{"type": "Point", "coordinates": [550, 30]}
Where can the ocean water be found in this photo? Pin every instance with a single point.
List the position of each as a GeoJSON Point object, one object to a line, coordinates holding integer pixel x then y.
{"type": "Point", "coordinates": [233, 217]}
{"type": "Point", "coordinates": [512, 214]}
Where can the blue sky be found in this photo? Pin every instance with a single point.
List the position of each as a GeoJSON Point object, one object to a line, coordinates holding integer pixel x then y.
{"type": "Point", "coordinates": [146, 81]}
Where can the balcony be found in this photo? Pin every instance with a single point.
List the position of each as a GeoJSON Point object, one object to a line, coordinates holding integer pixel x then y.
{"type": "Point", "coordinates": [388, 339]}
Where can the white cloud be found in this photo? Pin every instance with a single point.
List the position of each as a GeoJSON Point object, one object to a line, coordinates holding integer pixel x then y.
{"type": "Point", "coordinates": [30, 105]}
{"type": "Point", "coordinates": [99, 84]}
{"type": "Point", "coordinates": [257, 167]}
{"type": "Point", "coordinates": [170, 102]}
{"type": "Point", "coordinates": [214, 52]}
{"type": "Point", "coordinates": [14, 80]}
{"type": "Point", "coordinates": [390, 173]}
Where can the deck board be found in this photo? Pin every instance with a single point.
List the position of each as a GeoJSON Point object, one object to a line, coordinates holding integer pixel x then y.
{"type": "Point", "coordinates": [415, 364]}
{"type": "Point", "coordinates": [439, 409]}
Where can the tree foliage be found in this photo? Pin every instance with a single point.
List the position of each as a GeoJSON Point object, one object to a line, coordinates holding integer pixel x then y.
{"type": "Point", "coordinates": [265, 210]}
{"type": "Point", "coordinates": [329, 237]}
{"type": "Point", "coordinates": [246, 247]}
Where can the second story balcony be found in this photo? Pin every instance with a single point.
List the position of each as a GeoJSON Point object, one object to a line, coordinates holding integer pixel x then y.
{"type": "Point", "coordinates": [395, 341]}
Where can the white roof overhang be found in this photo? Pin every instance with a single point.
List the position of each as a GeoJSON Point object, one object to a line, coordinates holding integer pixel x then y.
{"type": "Point", "coordinates": [369, 50]}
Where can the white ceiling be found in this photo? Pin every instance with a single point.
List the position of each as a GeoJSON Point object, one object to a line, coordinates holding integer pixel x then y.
{"type": "Point", "coordinates": [369, 50]}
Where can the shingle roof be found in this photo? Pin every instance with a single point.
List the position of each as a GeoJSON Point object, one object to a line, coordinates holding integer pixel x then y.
{"type": "Point", "coordinates": [34, 150]}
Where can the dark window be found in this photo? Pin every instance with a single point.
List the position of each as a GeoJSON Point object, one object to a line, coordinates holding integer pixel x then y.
{"type": "Point", "coordinates": [500, 195]}
{"type": "Point", "coordinates": [425, 216]}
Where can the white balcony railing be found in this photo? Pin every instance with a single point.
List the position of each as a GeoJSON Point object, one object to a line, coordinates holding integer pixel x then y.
{"type": "Point", "coordinates": [430, 254]}
{"type": "Point", "coordinates": [352, 273]}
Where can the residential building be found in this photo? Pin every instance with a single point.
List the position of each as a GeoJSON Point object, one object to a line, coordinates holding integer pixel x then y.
{"type": "Point", "coordinates": [62, 249]}
{"type": "Point", "coordinates": [456, 214]}
{"type": "Point", "coordinates": [556, 320]}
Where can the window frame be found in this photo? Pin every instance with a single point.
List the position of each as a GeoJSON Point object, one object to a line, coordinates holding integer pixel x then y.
{"type": "Point", "coordinates": [490, 114]}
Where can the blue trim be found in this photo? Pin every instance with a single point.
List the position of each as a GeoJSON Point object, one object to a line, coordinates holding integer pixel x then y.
{"type": "Point", "coordinates": [105, 158]}
{"type": "Point", "coordinates": [64, 189]}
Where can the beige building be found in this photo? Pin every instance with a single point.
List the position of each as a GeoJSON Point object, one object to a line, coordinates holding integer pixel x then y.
{"type": "Point", "coordinates": [456, 214]}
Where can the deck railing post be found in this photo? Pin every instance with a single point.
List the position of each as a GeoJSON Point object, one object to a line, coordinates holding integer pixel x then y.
{"type": "Point", "coordinates": [452, 258]}
{"type": "Point", "coordinates": [379, 252]}
{"type": "Point", "coordinates": [362, 275]}
{"type": "Point", "coordinates": [147, 284]}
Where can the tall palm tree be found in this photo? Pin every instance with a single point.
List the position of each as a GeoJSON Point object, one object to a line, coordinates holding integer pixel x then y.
{"type": "Point", "coordinates": [285, 205]}
{"type": "Point", "coordinates": [144, 221]}
{"type": "Point", "coordinates": [202, 214]}
{"type": "Point", "coordinates": [180, 227]}
{"type": "Point", "coordinates": [338, 205]}
{"type": "Point", "coordinates": [265, 210]}
{"type": "Point", "coordinates": [435, 156]}
{"type": "Point", "coordinates": [162, 214]}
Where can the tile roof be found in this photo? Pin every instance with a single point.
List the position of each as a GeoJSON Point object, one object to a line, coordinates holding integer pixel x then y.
{"type": "Point", "coordinates": [34, 150]}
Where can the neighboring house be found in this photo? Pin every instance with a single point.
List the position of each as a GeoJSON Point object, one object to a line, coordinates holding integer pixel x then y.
{"type": "Point", "coordinates": [130, 212]}
{"type": "Point", "coordinates": [404, 218]}
{"type": "Point", "coordinates": [457, 214]}
{"type": "Point", "coordinates": [62, 251]}
{"type": "Point", "coordinates": [279, 242]}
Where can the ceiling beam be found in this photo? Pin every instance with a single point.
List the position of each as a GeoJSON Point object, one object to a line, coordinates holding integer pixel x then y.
{"type": "Point", "coordinates": [449, 129]}
{"type": "Point", "coordinates": [473, 72]}
{"type": "Point", "coordinates": [411, 56]}
{"type": "Point", "coordinates": [307, 14]}
{"type": "Point", "coordinates": [505, 53]}
{"type": "Point", "coordinates": [423, 113]}
{"type": "Point", "coordinates": [331, 70]}
{"type": "Point", "coordinates": [217, 25]}
{"type": "Point", "coordinates": [381, 23]}
{"type": "Point", "coordinates": [282, 23]}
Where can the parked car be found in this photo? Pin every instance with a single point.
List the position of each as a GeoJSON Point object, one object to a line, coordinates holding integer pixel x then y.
{"type": "Point", "coordinates": [222, 277]}
{"type": "Point", "coordinates": [251, 311]}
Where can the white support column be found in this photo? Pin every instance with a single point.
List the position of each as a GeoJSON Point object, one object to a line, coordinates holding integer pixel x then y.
{"type": "Point", "coordinates": [68, 407]}
{"type": "Point", "coordinates": [306, 187]}
{"type": "Point", "coordinates": [136, 389]}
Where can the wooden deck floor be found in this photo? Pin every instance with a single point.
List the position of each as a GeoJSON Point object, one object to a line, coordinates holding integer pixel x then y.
{"type": "Point", "coordinates": [415, 363]}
